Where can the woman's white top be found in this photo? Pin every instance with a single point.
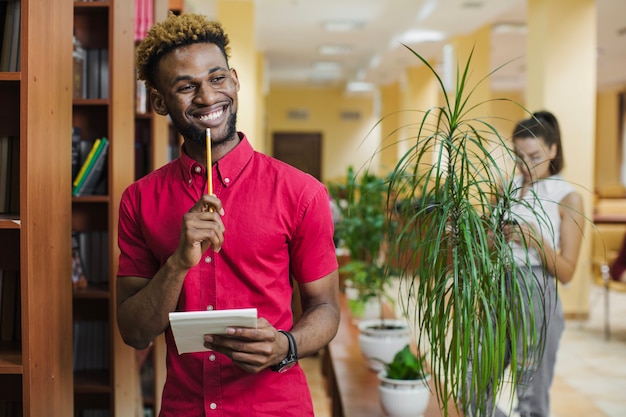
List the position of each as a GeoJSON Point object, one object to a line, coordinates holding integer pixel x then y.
{"type": "Point", "coordinates": [540, 208]}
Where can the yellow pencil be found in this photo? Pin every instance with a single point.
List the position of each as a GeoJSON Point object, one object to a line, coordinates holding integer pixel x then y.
{"type": "Point", "coordinates": [209, 163]}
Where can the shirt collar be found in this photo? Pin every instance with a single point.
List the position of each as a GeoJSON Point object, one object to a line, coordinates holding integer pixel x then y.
{"type": "Point", "coordinates": [229, 167]}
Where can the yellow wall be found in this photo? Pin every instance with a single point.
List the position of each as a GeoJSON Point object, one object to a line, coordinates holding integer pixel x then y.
{"type": "Point", "coordinates": [345, 142]}
{"type": "Point", "coordinates": [238, 20]}
{"type": "Point", "coordinates": [608, 149]}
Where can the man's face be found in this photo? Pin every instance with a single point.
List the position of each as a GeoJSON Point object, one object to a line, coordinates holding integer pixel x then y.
{"type": "Point", "coordinates": [198, 90]}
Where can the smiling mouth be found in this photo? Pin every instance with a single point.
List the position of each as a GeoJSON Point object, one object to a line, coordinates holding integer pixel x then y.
{"type": "Point", "coordinates": [214, 115]}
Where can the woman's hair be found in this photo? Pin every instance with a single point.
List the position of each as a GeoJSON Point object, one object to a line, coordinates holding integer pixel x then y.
{"type": "Point", "coordinates": [174, 32]}
{"type": "Point", "coordinates": [544, 125]}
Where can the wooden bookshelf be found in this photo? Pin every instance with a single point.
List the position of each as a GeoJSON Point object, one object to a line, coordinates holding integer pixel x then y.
{"type": "Point", "coordinates": [103, 379]}
{"type": "Point", "coordinates": [153, 142]}
{"type": "Point", "coordinates": [36, 362]}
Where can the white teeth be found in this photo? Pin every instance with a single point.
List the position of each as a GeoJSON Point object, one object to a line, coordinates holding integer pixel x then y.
{"type": "Point", "coordinates": [211, 116]}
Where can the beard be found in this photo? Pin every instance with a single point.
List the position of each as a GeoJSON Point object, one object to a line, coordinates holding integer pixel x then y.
{"type": "Point", "coordinates": [195, 134]}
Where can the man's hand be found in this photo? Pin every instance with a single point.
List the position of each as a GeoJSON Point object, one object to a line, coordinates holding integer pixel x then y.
{"type": "Point", "coordinates": [202, 226]}
{"type": "Point", "coordinates": [251, 349]}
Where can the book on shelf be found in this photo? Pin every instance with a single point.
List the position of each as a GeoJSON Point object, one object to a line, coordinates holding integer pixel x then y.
{"type": "Point", "coordinates": [94, 254]}
{"type": "Point", "coordinates": [9, 53]}
{"type": "Point", "coordinates": [85, 160]}
{"type": "Point", "coordinates": [95, 172]}
{"type": "Point", "coordinates": [91, 349]}
{"type": "Point", "coordinates": [76, 157]}
{"type": "Point", "coordinates": [9, 174]}
{"type": "Point", "coordinates": [5, 40]}
{"type": "Point", "coordinates": [141, 97]}
{"type": "Point", "coordinates": [144, 18]}
{"type": "Point", "coordinates": [79, 279]}
{"type": "Point", "coordinates": [4, 172]}
{"type": "Point", "coordinates": [79, 72]}
{"type": "Point", "coordinates": [97, 73]}
{"type": "Point", "coordinates": [103, 74]}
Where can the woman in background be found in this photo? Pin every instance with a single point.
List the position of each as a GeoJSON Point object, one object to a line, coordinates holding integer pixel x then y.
{"type": "Point", "coordinates": [543, 253]}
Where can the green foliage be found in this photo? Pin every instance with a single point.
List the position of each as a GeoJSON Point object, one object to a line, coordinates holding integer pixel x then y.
{"type": "Point", "coordinates": [456, 197]}
{"type": "Point", "coordinates": [406, 366]}
{"type": "Point", "coordinates": [363, 208]}
{"type": "Point", "coordinates": [363, 228]}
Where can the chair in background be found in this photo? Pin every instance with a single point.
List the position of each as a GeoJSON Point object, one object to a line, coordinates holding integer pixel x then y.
{"type": "Point", "coordinates": [607, 241]}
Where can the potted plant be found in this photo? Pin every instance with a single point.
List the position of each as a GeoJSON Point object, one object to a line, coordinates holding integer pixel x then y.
{"type": "Point", "coordinates": [403, 387]}
{"type": "Point", "coordinates": [362, 229]}
{"type": "Point", "coordinates": [454, 197]}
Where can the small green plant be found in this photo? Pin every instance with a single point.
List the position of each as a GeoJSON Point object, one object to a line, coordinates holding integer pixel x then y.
{"type": "Point", "coordinates": [362, 229]}
{"type": "Point", "coordinates": [406, 365]}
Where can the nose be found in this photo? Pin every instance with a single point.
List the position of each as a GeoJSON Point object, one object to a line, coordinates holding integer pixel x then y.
{"type": "Point", "coordinates": [204, 94]}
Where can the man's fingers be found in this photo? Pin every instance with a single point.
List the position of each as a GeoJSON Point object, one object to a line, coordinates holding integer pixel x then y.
{"type": "Point", "coordinates": [208, 203]}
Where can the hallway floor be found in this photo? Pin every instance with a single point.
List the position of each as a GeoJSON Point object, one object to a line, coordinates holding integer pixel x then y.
{"type": "Point", "coordinates": [590, 376]}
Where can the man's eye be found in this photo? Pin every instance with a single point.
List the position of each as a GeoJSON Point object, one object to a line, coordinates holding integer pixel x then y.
{"type": "Point", "coordinates": [186, 87]}
{"type": "Point", "coordinates": [218, 79]}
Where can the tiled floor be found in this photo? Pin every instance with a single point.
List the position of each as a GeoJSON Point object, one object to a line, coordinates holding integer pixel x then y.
{"type": "Point", "coordinates": [590, 376]}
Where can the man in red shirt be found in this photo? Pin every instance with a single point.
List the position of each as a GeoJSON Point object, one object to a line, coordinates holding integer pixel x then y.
{"type": "Point", "coordinates": [184, 250]}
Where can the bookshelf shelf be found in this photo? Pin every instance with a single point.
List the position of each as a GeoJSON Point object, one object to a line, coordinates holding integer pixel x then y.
{"type": "Point", "coordinates": [92, 4]}
{"type": "Point", "coordinates": [92, 382]}
{"type": "Point", "coordinates": [93, 292]}
{"type": "Point", "coordinates": [91, 102]}
{"type": "Point", "coordinates": [10, 76]}
{"type": "Point", "coordinates": [11, 359]}
{"type": "Point", "coordinates": [9, 222]}
{"type": "Point", "coordinates": [104, 199]}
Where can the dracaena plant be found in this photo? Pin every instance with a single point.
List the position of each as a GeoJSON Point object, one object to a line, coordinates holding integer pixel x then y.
{"type": "Point", "coordinates": [453, 193]}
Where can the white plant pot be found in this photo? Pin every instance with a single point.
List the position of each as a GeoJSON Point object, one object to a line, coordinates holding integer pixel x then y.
{"type": "Point", "coordinates": [403, 398]}
{"type": "Point", "coordinates": [382, 344]}
{"type": "Point", "coordinates": [362, 310]}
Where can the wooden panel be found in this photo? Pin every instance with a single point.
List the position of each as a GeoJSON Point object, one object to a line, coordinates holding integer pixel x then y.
{"type": "Point", "coordinates": [121, 174]}
{"type": "Point", "coordinates": [45, 135]}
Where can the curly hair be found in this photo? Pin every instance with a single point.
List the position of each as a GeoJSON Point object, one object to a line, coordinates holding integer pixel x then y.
{"type": "Point", "coordinates": [174, 32]}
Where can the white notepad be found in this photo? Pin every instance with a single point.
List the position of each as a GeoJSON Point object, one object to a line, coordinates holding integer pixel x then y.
{"type": "Point", "coordinates": [189, 327]}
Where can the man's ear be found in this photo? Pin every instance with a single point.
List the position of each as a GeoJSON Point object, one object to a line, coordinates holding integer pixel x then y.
{"type": "Point", "coordinates": [233, 74]}
{"type": "Point", "coordinates": [158, 103]}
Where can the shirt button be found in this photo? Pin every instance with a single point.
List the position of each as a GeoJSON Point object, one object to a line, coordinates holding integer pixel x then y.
{"type": "Point", "coordinates": [198, 169]}
{"type": "Point", "coordinates": [212, 358]}
{"type": "Point", "coordinates": [207, 260]}
{"type": "Point", "coordinates": [189, 181]}
{"type": "Point", "coordinates": [213, 406]}
{"type": "Point", "coordinates": [226, 180]}
{"type": "Point", "coordinates": [209, 307]}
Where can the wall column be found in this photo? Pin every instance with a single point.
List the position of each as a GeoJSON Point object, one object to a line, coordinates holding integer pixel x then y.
{"type": "Point", "coordinates": [237, 17]}
{"type": "Point", "coordinates": [561, 62]}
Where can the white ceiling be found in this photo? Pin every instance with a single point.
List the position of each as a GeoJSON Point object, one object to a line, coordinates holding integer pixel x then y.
{"type": "Point", "coordinates": [290, 33]}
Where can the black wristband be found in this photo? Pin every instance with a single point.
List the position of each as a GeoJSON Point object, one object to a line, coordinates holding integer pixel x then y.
{"type": "Point", "coordinates": [292, 354]}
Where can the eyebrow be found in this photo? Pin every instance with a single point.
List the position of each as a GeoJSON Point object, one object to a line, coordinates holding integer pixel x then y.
{"type": "Point", "coordinates": [189, 77]}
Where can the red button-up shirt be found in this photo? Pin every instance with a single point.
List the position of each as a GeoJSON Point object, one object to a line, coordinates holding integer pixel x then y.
{"type": "Point", "coordinates": [278, 223]}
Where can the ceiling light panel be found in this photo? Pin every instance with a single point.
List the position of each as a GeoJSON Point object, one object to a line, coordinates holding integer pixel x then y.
{"type": "Point", "coordinates": [342, 25]}
{"type": "Point", "coordinates": [335, 50]}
